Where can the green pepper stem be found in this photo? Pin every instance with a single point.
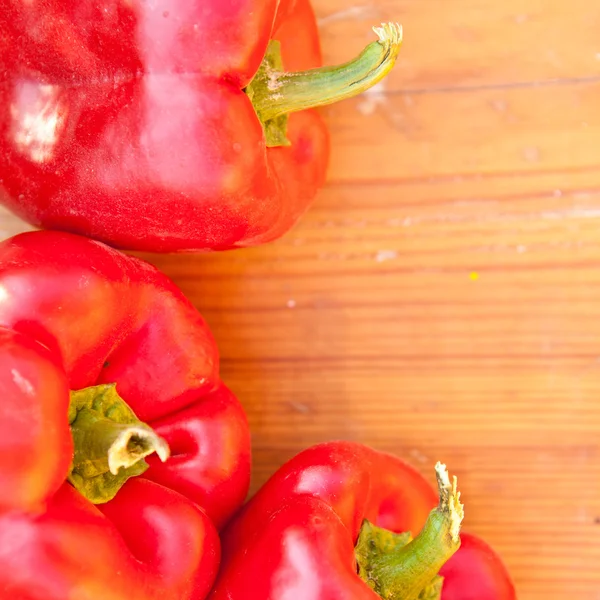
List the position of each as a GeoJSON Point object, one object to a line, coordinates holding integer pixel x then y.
{"type": "Point", "coordinates": [99, 440]}
{"type": "Point", "coordinates": [110, 443]}
{"type": "Point", "coordinates": [399, 570]}
{"type": "Point", "coordinates": [275, 93]}
{"type": "Point", "coordinates": [291, 92]}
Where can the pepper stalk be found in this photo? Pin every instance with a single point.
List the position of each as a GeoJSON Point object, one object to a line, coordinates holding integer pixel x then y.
{"type": "Point", "coordinates": [400, 568]}
{"type": "Point", "coordinates": [110, 443]}
{"type": "Point", "coordinates": [275, 94]}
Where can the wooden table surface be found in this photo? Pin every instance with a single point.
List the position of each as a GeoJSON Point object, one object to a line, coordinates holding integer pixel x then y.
{"type": "Point", "coordinates": [442, 298]}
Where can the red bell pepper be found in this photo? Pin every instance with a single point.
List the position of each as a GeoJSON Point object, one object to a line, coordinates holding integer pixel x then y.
{"type": "Point", "coordinates": [333, 523]}
{"type": "Point", "coordinates": [164, 125]}
{"type": "Point", "coordinates": [476, 572]}
{"type": "Point", "coordinates": [92, 343]}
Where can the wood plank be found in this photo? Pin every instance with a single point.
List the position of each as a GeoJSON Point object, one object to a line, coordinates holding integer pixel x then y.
{"type": "Point", "coordinates": [474, 132]}
{"type": "Point", "coordinates": [471, 43]}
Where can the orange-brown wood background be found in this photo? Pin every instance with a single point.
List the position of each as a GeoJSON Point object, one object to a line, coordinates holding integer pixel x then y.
{"type": "Point", "coordinates": [442, 298]}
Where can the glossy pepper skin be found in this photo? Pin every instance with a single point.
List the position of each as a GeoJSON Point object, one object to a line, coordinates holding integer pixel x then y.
{"type": "Point", "coordinates": [128, 122]}
{"type": "Point", "coordinates": [476, 572]}
{"type": "Point", "coordinates": [75, 313]}
{"type": "Point", "coordinates": [296, 537]}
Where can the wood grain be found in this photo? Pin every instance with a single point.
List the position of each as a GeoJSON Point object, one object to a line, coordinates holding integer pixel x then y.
{"type": "Point", "coordinates": [442, 298]}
